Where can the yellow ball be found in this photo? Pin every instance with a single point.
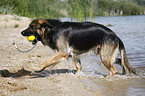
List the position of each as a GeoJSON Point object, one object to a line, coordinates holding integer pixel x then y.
{"type": "Point", "coordinates": [30, 38]}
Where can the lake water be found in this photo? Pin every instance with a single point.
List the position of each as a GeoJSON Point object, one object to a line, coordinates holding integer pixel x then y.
{"type": "Point", "coordinates": [131, 30]}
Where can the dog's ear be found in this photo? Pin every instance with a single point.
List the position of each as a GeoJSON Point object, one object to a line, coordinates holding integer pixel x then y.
{"type": "Point", "coordinates": [46, 25]}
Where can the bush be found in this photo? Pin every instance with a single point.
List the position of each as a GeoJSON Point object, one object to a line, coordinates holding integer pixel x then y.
{"type": "Point", "coordinates": [38, 8]}
{"type": "Point", "coordinates": [79, 9]}
{"type": "Point", "coordinates": [112, 7]}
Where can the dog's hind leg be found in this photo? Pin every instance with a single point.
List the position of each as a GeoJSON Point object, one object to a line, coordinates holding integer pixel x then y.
{"type": "Point", "coordinates": [118, 61]}
{"type": "Point", "coordinates": [108, 54]}
{"type": "Point", "coordinates": [53, 61]}
{"type": "Point", "coordinates": [77, 62]}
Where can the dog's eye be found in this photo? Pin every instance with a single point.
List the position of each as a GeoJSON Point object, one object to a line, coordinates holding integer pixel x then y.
{"type": "Point", "coordinates": [33, 26]}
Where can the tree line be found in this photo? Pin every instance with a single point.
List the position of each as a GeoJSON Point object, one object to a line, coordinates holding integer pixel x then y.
{"type": "Point", "coordinates": [79, 9]}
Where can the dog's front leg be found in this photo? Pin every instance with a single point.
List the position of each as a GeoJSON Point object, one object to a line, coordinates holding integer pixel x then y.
{"type": "Point", "coordinates": [77, 62]}
{"type": "Point", "coordinates": [53, 61]}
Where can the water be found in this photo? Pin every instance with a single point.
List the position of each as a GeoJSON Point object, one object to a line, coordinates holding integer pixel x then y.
{"type": "Point", "coordinates": [131, 30]}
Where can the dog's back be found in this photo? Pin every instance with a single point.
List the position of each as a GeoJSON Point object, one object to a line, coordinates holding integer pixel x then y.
{"type": "Point", "coordinates": [85, 35]}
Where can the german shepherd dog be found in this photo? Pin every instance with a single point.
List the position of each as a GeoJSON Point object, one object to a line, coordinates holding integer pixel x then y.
{"type": "Point", "coordinates": [71, 39]}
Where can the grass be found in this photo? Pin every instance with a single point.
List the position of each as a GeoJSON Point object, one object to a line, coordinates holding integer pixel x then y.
{"type": "Point", "coordinates": [16, 25]}
{"type": "Point", "coordinates": [78, 9]}
{"type": "Point", "coordinates": [15, 17]}
{"type": "Point", "coordinates": [6, 9]}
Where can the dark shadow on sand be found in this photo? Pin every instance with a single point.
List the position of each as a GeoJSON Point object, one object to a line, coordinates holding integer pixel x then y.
{"type": "Point", "coordinates": [53, 72]}
{"type": "Point", "coordinates": [23, 72]}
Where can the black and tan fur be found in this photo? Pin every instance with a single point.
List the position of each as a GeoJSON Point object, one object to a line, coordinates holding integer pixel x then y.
{"type": "Point", "coordinates": [71, 39]}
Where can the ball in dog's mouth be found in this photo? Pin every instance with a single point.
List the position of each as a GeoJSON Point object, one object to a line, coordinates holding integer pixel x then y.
{"type": "Point", "coordinates": [31, 38]}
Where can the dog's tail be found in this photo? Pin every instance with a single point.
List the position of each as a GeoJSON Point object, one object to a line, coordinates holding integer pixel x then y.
{"type": "Point", "coordinates": [124, 60]}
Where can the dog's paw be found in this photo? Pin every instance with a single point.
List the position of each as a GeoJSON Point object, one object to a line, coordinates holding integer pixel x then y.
{"type": "Point", "coordinates": [79, 73]}
{"type": "Point", "coordinates": [35, 71]}
{"type": "Point", "coordinates": [38, 74]}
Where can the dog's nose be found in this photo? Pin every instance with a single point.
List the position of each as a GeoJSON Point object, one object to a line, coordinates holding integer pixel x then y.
{"type": "Point", "coordinates": [23, 33]}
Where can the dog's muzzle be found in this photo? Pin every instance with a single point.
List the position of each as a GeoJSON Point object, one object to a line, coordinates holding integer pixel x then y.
{"type": "Point", "coordinates": [29, 34]}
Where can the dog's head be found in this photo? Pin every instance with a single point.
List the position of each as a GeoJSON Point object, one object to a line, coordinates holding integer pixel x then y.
{"type": "Point", "coordinates": [37, 28]}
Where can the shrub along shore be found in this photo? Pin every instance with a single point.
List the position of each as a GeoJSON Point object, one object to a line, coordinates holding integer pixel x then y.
{"type": "Point", "coordinates": [79, 9]}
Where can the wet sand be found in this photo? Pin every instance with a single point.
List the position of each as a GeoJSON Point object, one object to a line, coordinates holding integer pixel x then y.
{"type": "Point", "coordinates": [61, 83]}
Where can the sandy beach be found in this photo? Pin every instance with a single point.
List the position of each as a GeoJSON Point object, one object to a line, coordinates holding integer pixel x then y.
{"type": "Point", "coordinates": [60, 83]}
